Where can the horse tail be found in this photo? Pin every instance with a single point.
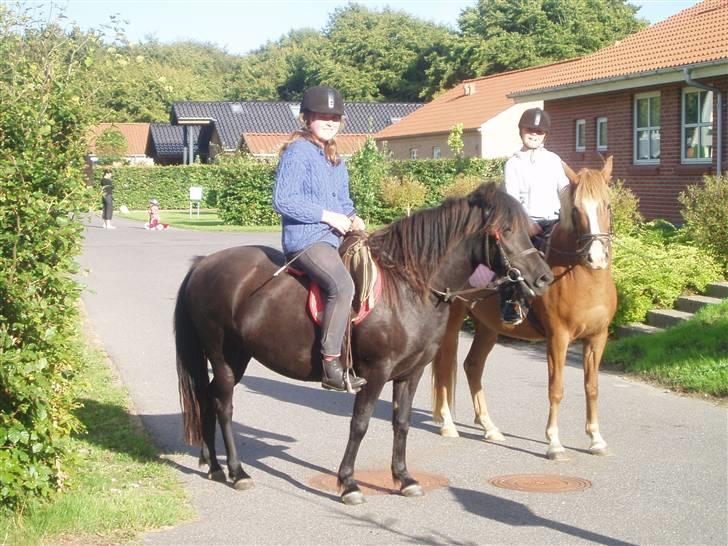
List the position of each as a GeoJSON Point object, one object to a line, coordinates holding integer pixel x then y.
{"type": "Point", "coordinates": [193, 380]}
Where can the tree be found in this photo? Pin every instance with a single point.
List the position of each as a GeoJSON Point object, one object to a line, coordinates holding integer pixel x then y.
{"type": "Point", "coordinates": [500, 35]}
{"type": "Point", "coordinates": [111, 142]}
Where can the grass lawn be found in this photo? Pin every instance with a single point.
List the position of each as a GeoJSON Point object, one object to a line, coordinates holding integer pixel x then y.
{"type": "Point", "coordinates": [117, 485]}
{"type": "Point", "coordinates": [690, 357]}
{"type": "Point", "coordinates": [208, 220]}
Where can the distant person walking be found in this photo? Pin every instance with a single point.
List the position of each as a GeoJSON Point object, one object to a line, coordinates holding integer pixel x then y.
{"type": "Point", "coordinates": [107, 199]}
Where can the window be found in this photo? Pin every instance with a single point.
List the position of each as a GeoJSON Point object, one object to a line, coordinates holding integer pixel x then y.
{"type": "Point", "coordinates": [647, 128]}
{"type": "Point", "coordinates": [413, 153]}
{"type": "Point", "coordinates": [580, 135]}
{"type": "Point", "coordinates": [436, 152]}
{"type": "Point", "coordinates": [697, 126]}
{"type": "Point", "coordinates": [601, 133]}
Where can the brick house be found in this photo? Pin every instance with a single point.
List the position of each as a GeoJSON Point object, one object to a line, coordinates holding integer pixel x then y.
{"type": "Point", "coordinates": [488, 115]}
{"type": "Point", "coordinates": [655, 101]}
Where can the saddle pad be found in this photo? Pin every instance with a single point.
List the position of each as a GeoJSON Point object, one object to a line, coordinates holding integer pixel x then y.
{"type": "Point", "coordinates": [316, 302]}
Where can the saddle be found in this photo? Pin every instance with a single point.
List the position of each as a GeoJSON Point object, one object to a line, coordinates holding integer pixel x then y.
{"type": "Point", "coordinates": [357, 258]}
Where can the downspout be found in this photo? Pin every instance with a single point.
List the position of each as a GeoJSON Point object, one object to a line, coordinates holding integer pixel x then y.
{"type": "Point", "coordinates": [719, 125]}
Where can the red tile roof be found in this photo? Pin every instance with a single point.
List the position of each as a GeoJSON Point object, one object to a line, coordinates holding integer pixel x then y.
{"type": "Point", "coordinates": [697, 35]}
{"type": "Point", "coordinates": [137, 136]}
{"type": "Point", "coordinates": [270, 143]}
{"type": "Point", "coordinates": [472, 110]}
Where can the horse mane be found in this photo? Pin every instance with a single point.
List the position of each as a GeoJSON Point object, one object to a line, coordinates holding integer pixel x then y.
{"type": "Point", "coordinates": [591, 187]}
{"type": "Point", "coordinates": [410, 249]}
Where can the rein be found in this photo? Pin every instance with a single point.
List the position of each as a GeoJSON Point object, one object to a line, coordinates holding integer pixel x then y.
{"type": "Point", "coordinates": [513, 275]}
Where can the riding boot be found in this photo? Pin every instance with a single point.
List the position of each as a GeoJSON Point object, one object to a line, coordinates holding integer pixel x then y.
{"type": "Point", "coordinates": [335, 377]}
{"type": "Point", "coordinates": [511, 309]}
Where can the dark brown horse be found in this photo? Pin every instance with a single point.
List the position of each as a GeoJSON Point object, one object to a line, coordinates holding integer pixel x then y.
{"type": "Point", "coordinates": [230, 308]}
{"type": "Point", "coordinates": [578, 305]}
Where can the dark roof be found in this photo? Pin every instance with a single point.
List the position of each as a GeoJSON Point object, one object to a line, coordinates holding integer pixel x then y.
{"type": "Point", "coordinates": [233, 119]}
{"type": "Point", "coordinates": [167, 140]}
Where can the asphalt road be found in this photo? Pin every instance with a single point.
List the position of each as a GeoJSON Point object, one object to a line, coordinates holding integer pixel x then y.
{"type": "Point", "coordinates": [665, 482]}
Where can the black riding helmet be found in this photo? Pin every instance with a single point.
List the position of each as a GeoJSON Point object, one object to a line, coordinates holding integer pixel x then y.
{"type": "Point", "coordinates": [322, 99]}
{"type": "Point", "coordinates": [535, 118]}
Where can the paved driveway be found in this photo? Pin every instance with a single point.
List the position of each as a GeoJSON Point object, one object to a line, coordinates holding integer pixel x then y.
{"type": "Point", "coordinates": [664, 484]}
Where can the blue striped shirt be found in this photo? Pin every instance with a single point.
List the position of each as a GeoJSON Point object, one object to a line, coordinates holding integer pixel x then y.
{"type": "Point", "coordinates": [306, 185]}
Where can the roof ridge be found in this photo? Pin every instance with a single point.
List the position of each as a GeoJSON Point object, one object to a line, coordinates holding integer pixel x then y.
{"type": "Point", "coordinates": [520, 70]}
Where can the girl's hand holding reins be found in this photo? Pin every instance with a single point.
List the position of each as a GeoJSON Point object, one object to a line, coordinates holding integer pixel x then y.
{"type": "Point", "coordinates": [340, 222]}
{"type": "Point", "coordinates": [357, 224]}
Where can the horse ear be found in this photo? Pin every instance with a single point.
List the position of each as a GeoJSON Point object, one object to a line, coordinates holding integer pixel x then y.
{"type": "Point", "coordinates": [607, 168]}
{"type": "Point", "coordinates": [570, 174]}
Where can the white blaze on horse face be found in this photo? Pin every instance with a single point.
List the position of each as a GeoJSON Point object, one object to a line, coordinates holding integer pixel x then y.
{"type": "Point", "coordinates": [597, 257]}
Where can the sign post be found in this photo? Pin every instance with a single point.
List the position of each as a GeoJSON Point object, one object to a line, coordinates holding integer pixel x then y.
{"type": "Point", "coordinates": [195, 198]}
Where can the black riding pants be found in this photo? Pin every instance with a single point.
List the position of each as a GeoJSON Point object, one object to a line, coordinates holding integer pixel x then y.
{"type": "Point", "coordinates": [322, 263]}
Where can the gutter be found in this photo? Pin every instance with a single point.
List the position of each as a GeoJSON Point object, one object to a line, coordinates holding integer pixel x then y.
{"type": "Point", "coordinates": [719, 125]}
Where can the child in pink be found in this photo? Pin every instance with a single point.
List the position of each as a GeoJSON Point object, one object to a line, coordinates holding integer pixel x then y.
{"type": "Point", "coordinates": [153, 211]}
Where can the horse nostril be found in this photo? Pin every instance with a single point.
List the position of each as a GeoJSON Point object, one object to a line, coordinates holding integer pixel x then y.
{"type": "Point", "coordinates": [544, 280]}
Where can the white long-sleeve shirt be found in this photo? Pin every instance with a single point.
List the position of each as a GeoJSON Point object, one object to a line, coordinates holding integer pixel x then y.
{"type": "Point", "coordinates": [535, 178]}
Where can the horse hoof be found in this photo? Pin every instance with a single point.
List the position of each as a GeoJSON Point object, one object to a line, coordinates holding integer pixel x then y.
{"type": "Point", "coordinates": [352, 498]}
{"type": "Point", "coordinates": [217, 476]}
{"type": "Point", "coordinates": [244, 484]}
{"type": "Point", "coordinates": [495, 436]}
{"type": "Point", "coordinates": [449, 432]}
{"type": "Point", "coordinates": [600, 451]}
{"type": "Point", "coordinates": [412, 490]}
{"type": "Point", "coordinates": [557, 455]}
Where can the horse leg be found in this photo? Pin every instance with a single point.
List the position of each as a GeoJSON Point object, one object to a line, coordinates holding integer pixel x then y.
{"type": "Point", "coordinates": [226, 376]}
{"type": "Point", "coordinates": [363, 409]}
{"type": "Point", "coordinates": [404, 393]}
{"type": "Point", "coordinates": [474, 365]}
{"type": "Point", "coordinates": [208, 455]}
{"type": "Point", "coordinates": [556, 347]}
{"type": "Point", "coordinates": [593, 349]}
{"type": "Point", "coordinates": [444, 372]}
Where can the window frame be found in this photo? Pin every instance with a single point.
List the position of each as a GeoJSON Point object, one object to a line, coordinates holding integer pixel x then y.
{"type": "Point", "coordinates": [648, 128]}
{"type": "Point", "coordinates": [600, 146]}
{"type": "Point", "coordinates": [436, 152]}
{"type": "Point", "coordinates": [684, 126]}
{"type": "Point", "coordinates": [413, 153]}
{"type": "Point", "coordinates": [580, 123]}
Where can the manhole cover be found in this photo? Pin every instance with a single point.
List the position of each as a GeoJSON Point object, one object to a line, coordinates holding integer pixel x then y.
{"type": "Point", "coordinates": [377, 482]}
{"type": "Point", "coordinates": [540, 483]}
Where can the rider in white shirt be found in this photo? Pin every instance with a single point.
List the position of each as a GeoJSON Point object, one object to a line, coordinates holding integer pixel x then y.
{"type": "Point", "coordinates": [534, 176]}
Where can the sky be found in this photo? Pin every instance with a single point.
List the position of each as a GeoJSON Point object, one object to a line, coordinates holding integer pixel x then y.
{"type": "Point", "coordinates": [240, 26]}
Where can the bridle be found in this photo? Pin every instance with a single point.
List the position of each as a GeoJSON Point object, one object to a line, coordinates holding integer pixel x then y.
{"type": "Point", "coordinates": [584, 242]}
{"type": "Point", "coordinates": [512, 274]}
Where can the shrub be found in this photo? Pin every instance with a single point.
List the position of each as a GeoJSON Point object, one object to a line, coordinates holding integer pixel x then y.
{"type": "Point", "coordinates": [461, 185]}
{"type": "Point", "coordinates": [43, 192]}
{"type": "Point", "coordinates": [403, 193]}
{"type": "Point", "coordinates": [367, 168]}
{"type": "Point", "coordinates": [652, 269]}
{"type": "Point", "coordinates": [626, 218]}
{"type": "Point", "coordinates": [111, 142]}
{"type": "Point", "coordinates": [705, 211]}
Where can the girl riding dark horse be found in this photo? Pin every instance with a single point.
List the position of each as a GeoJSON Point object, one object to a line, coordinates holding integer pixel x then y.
{"type": "Point", "coordinates": [231, 308]}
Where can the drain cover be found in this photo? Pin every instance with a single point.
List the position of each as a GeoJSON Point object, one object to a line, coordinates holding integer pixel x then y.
{"type": "Point", "coordinates": [540, 483]}
{"type": "Point", "coordinates": [378, 482]}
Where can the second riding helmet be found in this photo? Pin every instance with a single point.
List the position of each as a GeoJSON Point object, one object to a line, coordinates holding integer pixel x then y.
{"type": "Point", "coordinates": [535, 118]}
{"type": "Point", "coordinates": [323, 99]}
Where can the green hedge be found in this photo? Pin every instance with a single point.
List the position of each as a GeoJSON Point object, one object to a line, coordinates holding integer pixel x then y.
{"type": "Point", "coordinates": [42, 194]}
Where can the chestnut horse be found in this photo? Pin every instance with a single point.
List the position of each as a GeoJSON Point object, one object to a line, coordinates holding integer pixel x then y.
{"type": "Point", "coordinates": [579, 304]}
{"type": "Point", "coordinates": [231, 308]}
